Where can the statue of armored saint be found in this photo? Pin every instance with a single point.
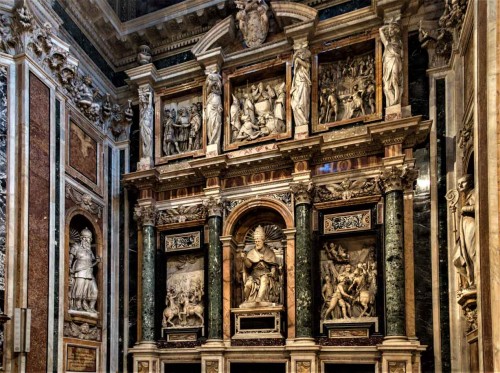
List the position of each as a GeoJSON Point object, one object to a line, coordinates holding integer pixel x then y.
{"type": "Point", "coordinates": [83, 287]}
{"type": "Point", "coordinates": [261, 278]}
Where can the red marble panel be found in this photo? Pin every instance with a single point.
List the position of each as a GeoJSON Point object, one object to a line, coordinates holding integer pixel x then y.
{"type": "Point", "coordinates": [83, 152]}
{"type": "Point", "coordinates": [38, 221]}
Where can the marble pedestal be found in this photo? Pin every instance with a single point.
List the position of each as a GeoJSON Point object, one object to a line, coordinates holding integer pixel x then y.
{"type": "Point", "coordinates": [257, 323]}
{"type": "Point", "coordinates": [146, 359]}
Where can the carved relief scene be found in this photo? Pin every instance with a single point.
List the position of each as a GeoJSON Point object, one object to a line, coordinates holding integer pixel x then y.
{"type": "Point", "coordinates": [349, 279]}
{"type": "Point", "coordinates": [184, 299]}
{"type": "Point", "coordinates": [258, 106]}
{"type": "Point", "coordinates": [348, 89]}
{"type": "Point", "coordinates": [182, 126]}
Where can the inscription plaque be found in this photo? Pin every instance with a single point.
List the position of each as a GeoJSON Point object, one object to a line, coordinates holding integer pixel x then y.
{"type": "Point", "coordinates": [81, 359]}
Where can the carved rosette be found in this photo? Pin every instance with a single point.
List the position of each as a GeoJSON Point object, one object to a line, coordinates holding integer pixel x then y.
{"type": "Point", "coordinates": [398, 178]}
{"type": "Point", "coordinates": [84, 201]}
{"type": "Point", "coordinates": [302, 192]}
{"type": "Point", "coordinates": [145, 215]}
{"type": "Point", "coordinates": [214, 206]}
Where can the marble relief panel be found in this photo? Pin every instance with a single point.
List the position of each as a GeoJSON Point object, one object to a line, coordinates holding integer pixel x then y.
{"type": "Point", "coordinates": [348, 82]}
{"type": "Point", "coordinates": [349, 278]}
{"type": "Point", "coordinates": [180, 123]}
{"type": "Point", "coordinates": [257, 104]}
{"type": "Point", "coordinates": [185, 292]}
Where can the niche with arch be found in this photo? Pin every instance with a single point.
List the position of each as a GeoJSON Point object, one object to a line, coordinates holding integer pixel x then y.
{"type": "Point", "coordinates": [258, 274]}
{"type": "Point", "coordinates": [83, 278]}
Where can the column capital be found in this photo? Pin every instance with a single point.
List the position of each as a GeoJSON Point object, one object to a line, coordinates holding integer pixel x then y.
{"type": "Point", "coordinates": [396, 178]}
{"type": "Point", "coordinates": [302, 191]}
{"type": "Point", "coordinates": [214, 206]}
{"type": "Point", "coordinates": [145, 215]}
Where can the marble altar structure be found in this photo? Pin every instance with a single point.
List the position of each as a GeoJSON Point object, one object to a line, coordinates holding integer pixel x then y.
{"type": "Point", "coordinates": [249, 186]}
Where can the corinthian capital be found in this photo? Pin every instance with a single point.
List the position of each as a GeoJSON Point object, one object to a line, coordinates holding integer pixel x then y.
{"type": "Point", "coordinates": [398, 178]}
{"type": "Point", "coordinates": [302, 192]}
{"type": "Point", "coordinates": [145, 215]}
{"type": "Point", "coordinates": [214, 206]}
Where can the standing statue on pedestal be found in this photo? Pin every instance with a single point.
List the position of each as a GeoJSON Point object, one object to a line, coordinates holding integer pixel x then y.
{"type": "Point", "coordinates": [465, 255]}
{"type": "Point", "coordinates": [83, 287]}
{"type": "Point", "coordinates": [390, 35]}
{"type": "Point", "coordinates": [301, 86]}
{"type": "Point", "coordinates": [261, 278]}
{"type": "Point", "coordinates": [213, 109]}
{"type": "Point", "coordinates": [146, 122]}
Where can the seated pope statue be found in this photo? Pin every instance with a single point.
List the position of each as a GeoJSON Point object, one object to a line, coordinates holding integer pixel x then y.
{"type": "Point", "coordinates": [260, 274]}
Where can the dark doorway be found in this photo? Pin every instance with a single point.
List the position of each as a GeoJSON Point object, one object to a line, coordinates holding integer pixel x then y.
{"type": "Point", "coordinates": [349, 368]}
{"type": "Point", "coordinates": [258, 368]}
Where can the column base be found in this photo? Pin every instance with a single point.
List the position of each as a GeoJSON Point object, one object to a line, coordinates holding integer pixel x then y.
{"type": "Point", "coordinates": [301, 341]}
{"type": "Point", "coordinates": [146, 358]}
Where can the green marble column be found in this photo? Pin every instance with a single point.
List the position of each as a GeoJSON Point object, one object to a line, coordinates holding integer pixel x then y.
{"type": "Point", "coordinates": [303, 262]}
{"type": "Point", "coordinates": [148, 282]}
{"type": "Point", "coordinates": [214, 288]}
{"type": "Point", "coordinates": [394, 276]}
{"type": "Point", "coordinates": [146, 218]}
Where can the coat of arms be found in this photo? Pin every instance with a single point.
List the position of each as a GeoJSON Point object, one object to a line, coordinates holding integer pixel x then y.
{"type": "Point", "coordinates": [253, 21]}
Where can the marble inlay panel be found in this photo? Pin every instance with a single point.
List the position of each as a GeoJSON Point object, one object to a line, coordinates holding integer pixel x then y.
{"type": "Point", "coordinates": [38, 221]}
{"type": "Point", "coordinates": [83, 152]}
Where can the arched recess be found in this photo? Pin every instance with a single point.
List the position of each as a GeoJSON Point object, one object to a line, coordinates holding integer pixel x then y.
{"type": "Point", "coordinates": [78, 219]}
{"type": "Point", "coordinates": [288, 13]}
{"type": "Point", "coordinates": [243, 218]}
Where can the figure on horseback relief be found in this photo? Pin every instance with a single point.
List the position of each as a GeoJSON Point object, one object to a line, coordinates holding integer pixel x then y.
{"type": "Point", "coordinates": [184, 293]}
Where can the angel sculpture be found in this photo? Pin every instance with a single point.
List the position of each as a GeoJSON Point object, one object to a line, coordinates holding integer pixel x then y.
{"type": "Point", "coordinates": [348, 189]}
{"type": "Point", "coordinates": [181, 214]}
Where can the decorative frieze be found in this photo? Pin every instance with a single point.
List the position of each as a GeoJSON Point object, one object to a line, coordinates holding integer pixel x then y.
{"type": "Point", "coordinates": [22, 33]}
{"type": "Point", "coordinates": [145, 215]}
{"type": "Point", "coordinates": [347, 222]}
{"type": "Point", "coordinates": [182, 241]}
{"type": "Point", "coordinates": [181, 214]}
{"type": "Point", "coordinates": [346, 190]}
{"type": "Point", "coordinates": [84, 201]}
